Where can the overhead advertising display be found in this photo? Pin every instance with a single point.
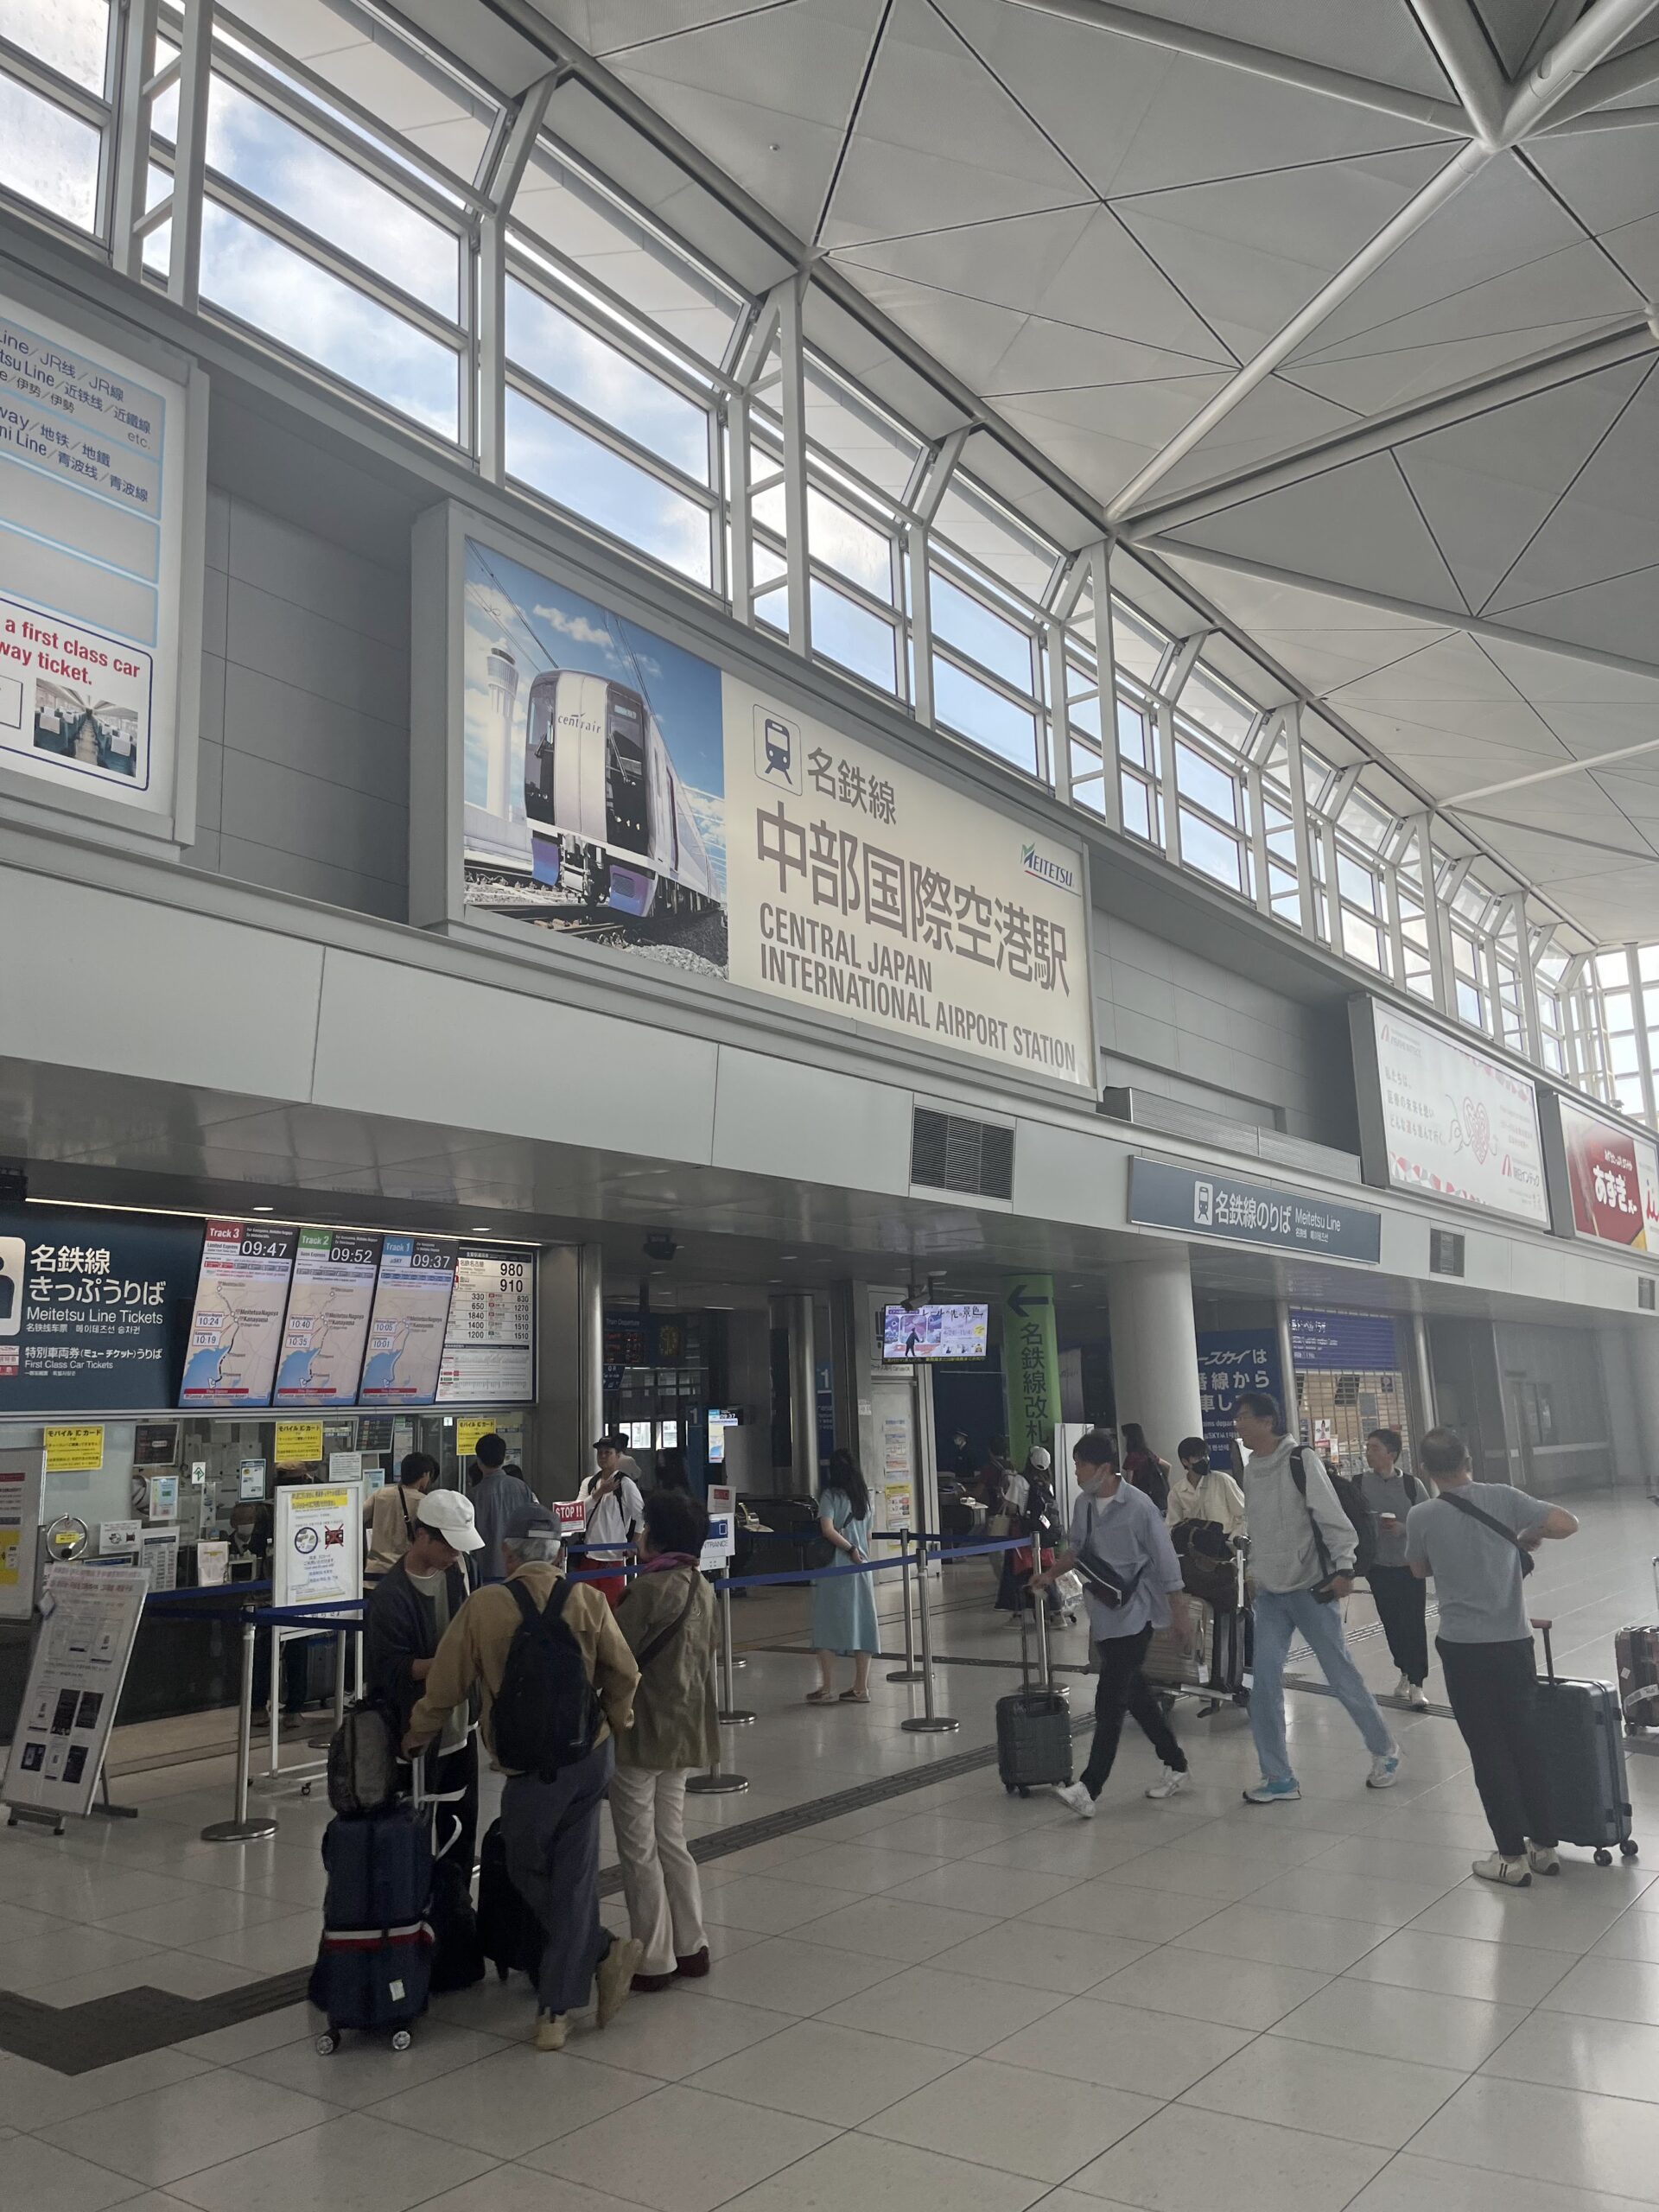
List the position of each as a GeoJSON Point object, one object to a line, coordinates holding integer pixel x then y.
{"type": "Point", "coordinates": [617, 788]}
{"type": "Point", "coordinates": [1238, 1211]}
{"type": "Point", "coordinates": [1613, 1177]}
{"type": "Point", "coordinates": [406, 1328]}
{"type": "Point", "coordinates": [327, 1321]}
{"type": "Point", "coordinates": [1455, 1122]}
{"type": "Point", "coordinates": [489, 1338]}
{"type": "Point", "coordinates": [92, 494]}
{"type": "Point", "coordinates": [93, 1308]}
{"type": "Point", "coordinates": [236, 1331]}
{"type": "Point", "coordinates": [934, 1331]}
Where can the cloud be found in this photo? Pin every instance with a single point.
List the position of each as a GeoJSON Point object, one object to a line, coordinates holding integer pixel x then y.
{"type": "Point", "coordinates": [577, 627]}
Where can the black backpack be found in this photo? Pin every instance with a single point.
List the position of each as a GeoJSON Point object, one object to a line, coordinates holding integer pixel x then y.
{"type": "Point", "coordinates": [546, 1712]}
{"type": "Point", "coordinates": [1352, 1503]}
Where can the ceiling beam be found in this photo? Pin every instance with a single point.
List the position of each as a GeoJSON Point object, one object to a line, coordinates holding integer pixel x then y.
{"type": "Point", "coordinates": [1256, 62]}
{"type": "Point", "coordinates": [1460, 47]}
{"type": "Point", "coordinates": [1543, 371]}
{"type": "Point", "coordinates": [1612, 80]}
{"type": "Point", "coordinates": [1596, 765]}
{"type": "Point", "coordinates": [1570, 59]}
{"type": "Point", "coordinates": [1606, 118]}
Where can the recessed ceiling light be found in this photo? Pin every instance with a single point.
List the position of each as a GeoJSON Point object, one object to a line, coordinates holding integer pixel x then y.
{"type": "Point", "coordinates": [264, 1209]}
{"type": "Point", "coordinates": [480, 1228]}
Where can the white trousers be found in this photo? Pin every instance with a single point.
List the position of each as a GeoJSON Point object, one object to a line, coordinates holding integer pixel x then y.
{"type": "Point", "coordinates": [659, 1876]}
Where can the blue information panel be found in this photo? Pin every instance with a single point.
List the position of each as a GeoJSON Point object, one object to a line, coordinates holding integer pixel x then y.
{"type": "Point", "coordinates": [94, 1308]}
{"type": "Point", "coordinates": [1232, 1362]}
{"type": "Point", "coordinates": [1356, 1344]}
{"type": "Point", "coordinates": [1203, 1201]}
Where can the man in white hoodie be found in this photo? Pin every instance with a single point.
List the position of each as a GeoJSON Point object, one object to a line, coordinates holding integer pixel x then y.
{"type": "Point", "coordinates": [1302, 1547]}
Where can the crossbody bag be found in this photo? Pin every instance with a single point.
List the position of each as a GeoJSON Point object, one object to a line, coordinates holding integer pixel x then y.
{"type": "Point", "coordinates": [1472, 1512]}
{"type": "Point", "coordinates": [665, 1636]}
{"type": "Point", "coordinates": [1109, 1584]}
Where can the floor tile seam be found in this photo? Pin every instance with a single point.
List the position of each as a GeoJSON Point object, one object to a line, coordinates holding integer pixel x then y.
{"type": "Point", "coordinates": [277, 2142]}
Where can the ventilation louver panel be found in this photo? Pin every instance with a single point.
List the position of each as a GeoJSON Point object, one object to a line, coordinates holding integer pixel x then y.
{"type": "Point", "coordinates": [948, 1152]}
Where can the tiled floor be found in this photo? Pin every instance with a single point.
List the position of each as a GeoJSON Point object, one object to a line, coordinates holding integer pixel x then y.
{"type": "Point", "coordinates": [952, 1999]}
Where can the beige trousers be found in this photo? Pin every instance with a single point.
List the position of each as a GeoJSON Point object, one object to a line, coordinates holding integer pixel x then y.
{"type": "Point", "coordinates": [659, 1876]}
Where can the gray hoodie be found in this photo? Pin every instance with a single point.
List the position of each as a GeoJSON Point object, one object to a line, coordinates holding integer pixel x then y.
{"type": "Point", "coordinates": [1283, 1555]}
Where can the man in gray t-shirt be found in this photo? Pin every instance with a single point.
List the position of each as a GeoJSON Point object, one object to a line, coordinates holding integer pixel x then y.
{"type": "Point", "coordinates": [1473, 1539]}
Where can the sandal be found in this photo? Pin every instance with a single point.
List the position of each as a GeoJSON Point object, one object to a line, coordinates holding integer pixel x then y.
{"type": "Point", "coordinates": [854, 1697]}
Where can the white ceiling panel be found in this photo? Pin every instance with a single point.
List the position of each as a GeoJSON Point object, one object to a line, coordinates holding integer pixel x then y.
{"type": "Point", "coordinates": [1607, 522]}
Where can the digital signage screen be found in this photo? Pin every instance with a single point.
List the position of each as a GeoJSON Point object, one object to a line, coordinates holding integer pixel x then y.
{"type": "Point", "coordinates": [1612, 1175]}
{"type": "Point", "coordinates": [934, 1331]}
{"type": "Point", "coordinates": [1457, 1124]}
{"type": "Point", "coordinates": [407, 1323]}
{"type": "Point", "coordinates": [236, 1331]}
{"type": "Point", "coordinates": [489, 1340]}
{"type": "Point", "coordinates": [328, 1323]}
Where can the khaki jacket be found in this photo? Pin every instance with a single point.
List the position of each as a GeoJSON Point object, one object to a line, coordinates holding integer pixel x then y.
{"type": "Point", "coordinates": [473, 1653]}
{"type": "Point", "coordinates": [673, 1706]}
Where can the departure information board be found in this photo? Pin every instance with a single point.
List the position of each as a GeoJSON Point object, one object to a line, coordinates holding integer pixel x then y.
{"type": "Point", "coordinates": [328, 1324]}
{"type": "Point", "coordinates": [236, 1331]}
{"type": "Point", "coordinates": [488, 1355]}
{"type": "Point", "coordinates": [406, 1328]}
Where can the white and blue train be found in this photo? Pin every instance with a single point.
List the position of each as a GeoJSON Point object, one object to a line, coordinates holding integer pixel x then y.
{"type": "Point", "coordinates": [594, 797]}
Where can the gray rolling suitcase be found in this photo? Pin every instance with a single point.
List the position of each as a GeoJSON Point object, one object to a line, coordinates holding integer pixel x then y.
{"type": "Point", "coordinates": [1033, 1725]}
{"type": "Point", "coordinates": [1582, 1729]}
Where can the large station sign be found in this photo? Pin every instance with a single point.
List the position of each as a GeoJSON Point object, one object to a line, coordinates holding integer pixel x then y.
{"type": "Point", "coordinates": [596, 780]}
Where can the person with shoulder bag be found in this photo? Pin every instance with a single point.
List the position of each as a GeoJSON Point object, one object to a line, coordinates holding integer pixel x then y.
{"type": "Point", "coordinates": [843, 1606]}
{"type": "Point", "coordinates": [555, 1683]}
{"type": "Point", "coordinates": [1302, 1550]}
{"type": "Point", "coordinates": [1397, 1593]}
{"type": "Point", "coordinates": [667, 1614]}
{"type": "Point", "coordinates": [1477, 1540]}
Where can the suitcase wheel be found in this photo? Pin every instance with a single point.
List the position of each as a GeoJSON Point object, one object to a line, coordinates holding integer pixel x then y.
{"type": "Point", "coordinates": [1024, 1792]}
{"type": "Point", "coordinates": [305, 1789]}
{"type": "Point", "coordinates": [501, 1971]}
{"type": "Point", "coordinates": [1603, 1858]}
{"type": "Point", "coordinates": [327, 2044]}
{"type": "Point", "coordinates": [1628, 1849]}
{"type": "Point", "coordinates": [401, 2039]}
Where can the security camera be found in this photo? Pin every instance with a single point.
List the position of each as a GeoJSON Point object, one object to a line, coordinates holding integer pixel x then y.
{"type": "Point", "coordinates": [659, 1245]}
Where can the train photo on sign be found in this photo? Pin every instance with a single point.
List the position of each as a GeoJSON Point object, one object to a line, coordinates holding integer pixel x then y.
{"type": "Point", "coordinates": [579, 816]}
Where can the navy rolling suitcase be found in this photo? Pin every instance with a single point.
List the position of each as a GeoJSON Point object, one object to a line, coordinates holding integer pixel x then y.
{"type": "Point", "coordinates": [1033, 1725]}
{"type": "Point", "coordinates": [374, 1964]}
{"type": "Point", "coordinates": [1582, 1729]}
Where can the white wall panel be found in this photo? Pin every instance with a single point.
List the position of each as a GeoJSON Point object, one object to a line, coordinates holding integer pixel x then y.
{"type": "Point", "coordinates": [781, 1117]}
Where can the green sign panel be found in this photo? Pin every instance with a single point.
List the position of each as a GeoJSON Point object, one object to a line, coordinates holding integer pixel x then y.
{"type": "Point", "coordinates": [1031, 1364]}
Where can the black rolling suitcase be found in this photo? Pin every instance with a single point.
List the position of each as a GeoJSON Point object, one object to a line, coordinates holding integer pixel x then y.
{"type": "Point", "coordinates": [374, 1964]}
{"type": "Point", "coordinates": [1582, 1730]}
{"type": "Point", "coordinates": [1034, 1726]}
{"type": "Point", "coordinates": [509, 1933]}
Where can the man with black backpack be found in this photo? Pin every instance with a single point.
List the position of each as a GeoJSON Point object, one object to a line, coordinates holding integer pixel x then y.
{"type": "Point", "coordinates": [556, 1680]}
{"type": "Point", "coordinates": [1303, 1546]}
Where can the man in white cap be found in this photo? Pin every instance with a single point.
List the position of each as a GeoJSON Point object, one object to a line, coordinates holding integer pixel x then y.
{"type": "Point", "coordinates": [404, 1622]}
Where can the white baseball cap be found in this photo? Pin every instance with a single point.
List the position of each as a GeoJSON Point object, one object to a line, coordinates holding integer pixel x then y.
{"type": "Point", "coordinates": [1039, 1460]}
{"type": "Point", "coordinates": [450, 1515]}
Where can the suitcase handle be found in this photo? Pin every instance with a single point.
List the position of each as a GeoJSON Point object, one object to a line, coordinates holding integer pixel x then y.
{"type": "Point", "coordinates": [1543, 1628]}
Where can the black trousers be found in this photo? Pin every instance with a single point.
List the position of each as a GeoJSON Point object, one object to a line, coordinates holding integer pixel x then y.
{"type": "Point", "coordinates": [1122, 1688]}
{"type": "Point", "coordinates": [455, 1827]}
{"type": "Point", "coordinates": [1401, 1600]}
{"type": "Point", "coordinates": [1493, 1690]}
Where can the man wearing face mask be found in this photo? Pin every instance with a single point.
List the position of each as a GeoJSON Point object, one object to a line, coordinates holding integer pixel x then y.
{"type": "Point", "coordinates": [1132, 1584]}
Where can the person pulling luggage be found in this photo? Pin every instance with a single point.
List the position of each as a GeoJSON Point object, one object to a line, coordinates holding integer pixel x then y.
{"type": "Point", "coordinates": [556, 1680]}
{"type": "Point", "coordinates": [1132, 1584]}
{"type": "Point", "coordinates": [1477, 1540]}
{"type": "Point", "coordinates": [1302, 1547]}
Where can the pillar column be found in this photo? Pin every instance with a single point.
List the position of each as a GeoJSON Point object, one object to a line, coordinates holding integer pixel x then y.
{"type": "Point", "coordinates": [1156, 1346]}
{"type": "Point", "coordinates": [570, 1367]}
{"type": "Point", "coordinates": [803, 1391]}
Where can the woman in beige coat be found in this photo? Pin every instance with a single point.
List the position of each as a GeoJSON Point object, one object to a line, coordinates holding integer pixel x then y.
{"type": "Point", "coordinates": [667, 1614]}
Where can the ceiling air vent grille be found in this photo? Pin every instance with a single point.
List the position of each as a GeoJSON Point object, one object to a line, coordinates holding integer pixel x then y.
{"type": "Point", "coordinates": [950, 1152]}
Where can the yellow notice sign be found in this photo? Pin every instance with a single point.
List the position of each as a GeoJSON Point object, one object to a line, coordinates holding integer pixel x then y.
{"type": "Point", "coordinates": [77, 1450]}
{"type": "Point", "coordinates": [298, 1443]}
{"type": "Point", "coordinates": [468, 1428]}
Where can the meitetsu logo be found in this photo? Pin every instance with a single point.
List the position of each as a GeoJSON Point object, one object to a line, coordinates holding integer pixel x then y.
{"type": "Point", "coordinates": [1046, 870]}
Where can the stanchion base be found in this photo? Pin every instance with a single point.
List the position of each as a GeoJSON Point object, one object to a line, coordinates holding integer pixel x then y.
{"type": "Point", "coordinates": [907, 1674]}
{"type": "Point", "coordinates": [716, 1785]}
{"type": "Point", "coordinates": [736, 1719]}
{"type": "Point", "coordinates": [248, 1831]}
{"type": "Point", "coordinates": [937, 1726]}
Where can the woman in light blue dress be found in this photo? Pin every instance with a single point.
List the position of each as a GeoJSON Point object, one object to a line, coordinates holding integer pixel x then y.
{"type": "Point", "coordinates": [843, 1606]}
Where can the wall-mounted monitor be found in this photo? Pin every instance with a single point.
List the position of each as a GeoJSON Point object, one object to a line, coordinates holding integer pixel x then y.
{"type": "Point", "coordinates": [236, 1330]}
{"type": "Point", "coordinates": [934, 1331]}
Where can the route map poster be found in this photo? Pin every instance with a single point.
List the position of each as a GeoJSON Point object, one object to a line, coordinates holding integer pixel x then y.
{"type": "Point", "coordinates": [328, 1323]}
{"type": "Point", "coordinates": [406, 1328]}
{"type": "Point", "coordinates": [236, 1331]}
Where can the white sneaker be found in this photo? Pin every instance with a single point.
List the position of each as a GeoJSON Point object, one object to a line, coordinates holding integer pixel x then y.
{"type": "Point", "coordinates": [1417, 1697]}
{"type": "Point", "coordinates": [1073, 1794]}
{"type": "Point", "coordinates": [1513, 1874]}
{"type": "Point", "coordinates": [1385, 1770]}
{"type": "Point", "coordinates": [1543, 1858]}
{"type": "Point", "coordinates": [1170, 1783]}
{"type": "Point", "coordinates": [1402, 1689]}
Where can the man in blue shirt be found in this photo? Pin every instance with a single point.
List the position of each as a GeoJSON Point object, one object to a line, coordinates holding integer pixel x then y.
{"type": "Point", "coordinates": [1132, 1584]}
